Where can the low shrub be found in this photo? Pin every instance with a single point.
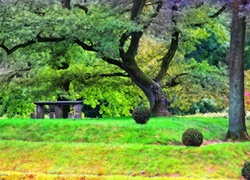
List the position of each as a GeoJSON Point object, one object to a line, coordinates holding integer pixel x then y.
{"type": "Point", "coordinates": [192, 137]}
{"type": "Point", "coordinates": [141, 114]}
{"type": "Point", "coordinates": [246, 170]}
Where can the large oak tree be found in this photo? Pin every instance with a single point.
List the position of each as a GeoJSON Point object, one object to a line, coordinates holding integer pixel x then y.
{"type": "Point", "coordinates": [144, 16]}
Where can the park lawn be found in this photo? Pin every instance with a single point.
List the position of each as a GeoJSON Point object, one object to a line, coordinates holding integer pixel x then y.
{"type": "Point", "coordinates": [164, 131]}
{"type": "Point", "coordinates": [118, 149]}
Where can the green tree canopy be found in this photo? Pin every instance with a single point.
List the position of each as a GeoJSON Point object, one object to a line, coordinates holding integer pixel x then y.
{"type": "Point", "coordinates": [115, 35]}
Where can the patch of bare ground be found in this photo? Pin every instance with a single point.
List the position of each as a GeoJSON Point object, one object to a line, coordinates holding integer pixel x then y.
{"type": "Point", "coordinates": [205, 142]}
{"type": "Point", "coordinates": [217, 141]}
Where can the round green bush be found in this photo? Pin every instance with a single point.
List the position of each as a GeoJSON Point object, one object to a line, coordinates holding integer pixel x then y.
{"type": "Point", "coordinates": [192, 137]}
{"type": "Point", "coordinates": [141, 114]}
{"type": "Point", "coordinates": [245, 172]}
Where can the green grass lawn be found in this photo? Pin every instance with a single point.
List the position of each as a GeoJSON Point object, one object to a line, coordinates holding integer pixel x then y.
{"type": "Point", "coordinates": [118, 148]}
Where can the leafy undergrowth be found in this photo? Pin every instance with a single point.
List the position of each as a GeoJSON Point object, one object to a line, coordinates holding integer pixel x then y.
{"type": "Point", "coordinates": [117, 149]}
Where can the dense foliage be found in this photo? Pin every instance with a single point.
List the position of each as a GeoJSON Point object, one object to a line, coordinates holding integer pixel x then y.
{"type": "Point", "coordinates": [88, 76]}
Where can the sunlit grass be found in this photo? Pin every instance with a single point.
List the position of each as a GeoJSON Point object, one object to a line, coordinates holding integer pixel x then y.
{"type": "Point", "coordinates": [122, 130]}
{"type": "Point", "coordinates": [211, 161]}
{"type": "Point", "coordinates": [118, 149]}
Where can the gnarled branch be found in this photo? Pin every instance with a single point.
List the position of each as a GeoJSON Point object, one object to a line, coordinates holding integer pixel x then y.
{"type": "Point", "coordinates": [221, 10]}
{"type": "Point", "coordinates": [173, 82]}
{"type": "Point", "coordinates": [82, 7]}
{"type": "Point", "coordinates": [168, 57]}
{"type": "Point", "coordinates": [216, 14]}
{"type": "Point", "coordinates": [171, 52]}
{"type": "Point", "coordinates": [30, 42]}
{"type": "Point", "coordinates": [85, 46]}
{"type": "Point", "coordinates": [115, 74]}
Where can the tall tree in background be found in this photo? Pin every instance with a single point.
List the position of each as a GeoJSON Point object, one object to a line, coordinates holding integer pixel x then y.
{"type": "Point", "coordinates": [237, 124]}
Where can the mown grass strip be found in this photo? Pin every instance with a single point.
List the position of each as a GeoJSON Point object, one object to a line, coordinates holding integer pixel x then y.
{"type": "Point", "coordinates": [212, 161]}
{"type": "Point", "coordinates": [123, 130]}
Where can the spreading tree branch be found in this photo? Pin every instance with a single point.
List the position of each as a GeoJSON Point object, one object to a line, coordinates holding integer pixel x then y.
{"type": "Point", "coordinates": [118, 63]}
{"type": "Point", "coordinates": [137, 8]}
{"type": "Point", "coordinates": [80, 6]}
{"type": "Point", "coordinates": [167, 58]}
{"type": "Point", "coordinates": [173, 81]}
{"type": "Point", "coordinates": [11, 74]}
{"type": "Point", "coordinates": [159, 6]}
{"type": "Point", "coordinates": [30, 42]}
{"type": "Point", "coordinates": [122, 41]}
{"type": "Point", "coordinates": [11, 50]}
{"type": "Point", "coordinates": [174, 45]}
{"type": "Point", "coordinates": [115, 74]}
{"type": "Point", "coordinates": [135, 36]}
{"type": "Point", "coordinates": [216, 14]}
{"type": "Point", "coordinates": [133, 47]}
{"type": "Point", "coordinates": [221, 10]}
{"type": "Point", "coordinates": [129, 56]}
{"type": "Point", "coordinates": [45, 39]}
{"type": "Point", "coordinates": [85, 46]}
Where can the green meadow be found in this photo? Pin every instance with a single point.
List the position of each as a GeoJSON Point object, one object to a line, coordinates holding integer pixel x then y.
{"type": "Point", "coordinates": [118, 148]}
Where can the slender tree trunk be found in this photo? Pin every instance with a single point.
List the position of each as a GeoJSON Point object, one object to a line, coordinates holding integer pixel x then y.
{"type": "Point", "coordinates": [237, 126]}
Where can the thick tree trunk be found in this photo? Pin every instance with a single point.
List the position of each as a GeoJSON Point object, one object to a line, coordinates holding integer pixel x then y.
{"type": "Point", "coordinates": [152, 89]}
{"type": "Point", "coordinates": [160, 103]}
{"type": "Point", "coordinates": [237, 126]}
{"type": "Point", "coordinates": [156, 97]}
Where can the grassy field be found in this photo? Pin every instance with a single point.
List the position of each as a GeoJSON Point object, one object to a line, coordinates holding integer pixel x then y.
{"type": "Point", "coordinates": [118, 148]}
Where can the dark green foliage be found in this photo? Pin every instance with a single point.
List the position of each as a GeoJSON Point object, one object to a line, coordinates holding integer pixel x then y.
{"type": "Point", "coordinates": [245, 172]}
{"type": "Point", "coordinates": [141, 114]}
{"type": "Point", "coordinates": [201, 106]}
{"type": "Point", "coordinates": [204, 106]}
{"type": "Point", "coordinates": [91, 112]}
{"type": "Point", "coordinates": [192, 137]}
{"type": "Point", "coordinates": [210, 49]}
